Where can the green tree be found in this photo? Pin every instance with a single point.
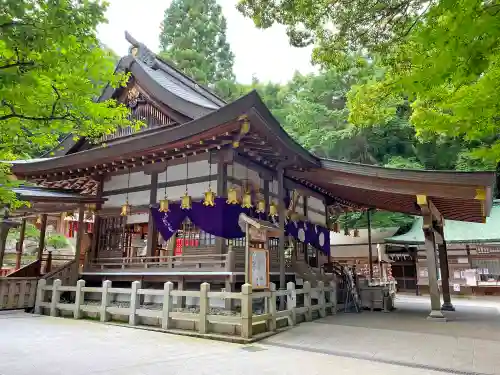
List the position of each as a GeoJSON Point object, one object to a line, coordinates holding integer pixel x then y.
{"type": "Point", "coordinates": [51, 71]}
{"type": "Point", "coordinates": [193, 37]}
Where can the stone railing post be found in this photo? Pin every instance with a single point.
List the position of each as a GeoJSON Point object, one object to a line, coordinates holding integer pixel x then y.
{"type": "Point", "coordinates": [105, 300]}
{"type": "Point", "coordinates": [204, 307]}
{"type": "Point", "coordinates": [40, 295]}
{"type": "Point", "coordinates": [307, 300]}
{"type": "Point", "coordinates": [321, 299]}
{"type": "Point", "coordinates": [230, 260]}
{"type": "Point", "coordinates": [291, 303]}
{"type": "Point", "coordinates": [272, 308]}
{"type": "Point", "coordinates": [333, 296]}
{"type": "Point", "coordinates": [246, 311]}
{"type": "Point", "coordinates": [134, 301]}
{"type": "Point", "coordinates": [79, 298]}
{"type": "Point", "coordinates": [167, 304]}
{"type": "Point", "coordinates": [56, 294]}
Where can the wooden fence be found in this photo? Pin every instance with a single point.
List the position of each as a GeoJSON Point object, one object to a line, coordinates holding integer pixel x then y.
{"type": "Point", "coordinates": [244, 323]}
{"type": "Point", "coordinates": [17, 292]}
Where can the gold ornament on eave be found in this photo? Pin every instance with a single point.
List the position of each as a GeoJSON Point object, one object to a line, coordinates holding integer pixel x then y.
{"type": "Point", "coordinates": [273, 210]}
{"type": "Point", "coordinates": [186, 202]}
{"type": "Point", "coordinates": [261, 206]}
{"type": "Point", "coordinates": [209, 198]}
{"type": "Point", "coordinates": [246, 201]}
{"type": "Point", "coordinates": [125, 211]}
{"type": "Point", "coordinates": [232, 196]}
{"type": "Point", "coordinates": [164, 205]}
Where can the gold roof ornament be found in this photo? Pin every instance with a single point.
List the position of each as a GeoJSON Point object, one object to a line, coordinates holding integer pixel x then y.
{"type": "Point", "coordinates": [209, 198]}
{"type": "Point", "coordinates": [273, 210]}
{"type": "Point", "coordinates": [164, 205]}
{"type": "Point", "coordinates": [261, 206]}
{"type": "Point", "coordinates": [126, 209]}
{"type": "Point", "coordinates": [246, 201]}
{"type": "Point", "coordinates": [186, 202]}
{"type": "Point", "coordinates": [232, 196]}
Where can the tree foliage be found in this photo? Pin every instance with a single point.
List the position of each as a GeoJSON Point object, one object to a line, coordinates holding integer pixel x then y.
{"type": "Point", "coordinates": [52, 69]}
{"type": "Point", "coordinates": [193, 37]}
{"type": "Point", "coordinates": [439, 58]}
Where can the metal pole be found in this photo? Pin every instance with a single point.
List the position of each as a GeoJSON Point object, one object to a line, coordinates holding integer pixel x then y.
{"type": "Point", "coordinates": [370, 253]}
{"type": "Point", "coordinates": [247, 254]}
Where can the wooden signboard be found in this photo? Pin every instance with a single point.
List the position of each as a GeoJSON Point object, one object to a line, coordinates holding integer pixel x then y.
{"type": "Point", "coordinates": [259, 268]}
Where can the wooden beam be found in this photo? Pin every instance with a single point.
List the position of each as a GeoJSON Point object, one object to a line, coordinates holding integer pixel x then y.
{"type": "Point", "coordinates": [152, 232]}
{"type": "Point", "coordinates": [220, 243]}
{"type": "Point", "coordinates": [79, 235]}
{"type": "Point", "coordinates": [281, 244]}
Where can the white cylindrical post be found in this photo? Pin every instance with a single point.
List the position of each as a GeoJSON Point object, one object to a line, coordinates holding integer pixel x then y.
{"type": "Point", "coordinates": [291, 303]}
{"type": "Point", "coordinates": [167, 304]}
{"type": "Point", "coordinates": [134, 299]}
{"type": "Point", "coordinates": [79, 298]}
{"type": "Point", "coordinates": [204, 307]}
{"type": "Point", "coordinates": [106, 285]}
{"type": "Point", "coordinates": [56, 294]}
{"type": "Point", "coordinates": [246, 311]}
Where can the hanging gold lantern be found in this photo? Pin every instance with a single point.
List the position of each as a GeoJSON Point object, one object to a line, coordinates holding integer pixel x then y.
{"type": "Point", "coordinates": [232, 196]}
{"type": "Point", "coordinates": [39, 219]}
{"type": "Point", "coordinates": [125, 209]}
{"type": "Point", "coordinates": [209, 198]}
{"type": "Point", "coordinates": [346, 231]}
{"type": "Point", "coordinates": [164, 205]}
{"type": "Point", "coordinates": [273, 210]}
{"type": "Point", "coordinates": [247, 200]}
{"type": "Point", "coordinates": [186, 202]}
{"type": "Point", "coordinates": [261, 206]}
{"type": "Point", "coordinates": [356, 232]}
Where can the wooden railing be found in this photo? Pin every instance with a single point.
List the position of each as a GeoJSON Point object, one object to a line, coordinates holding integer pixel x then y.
{"type": "Point", "coordinates": [30, 270]}
{"type": "Point", "coordinates": [17, 292]}
{"type": "Point", "coordinates": [170, 314]}
{"type": "Point", "coordinates": [67, 273]}
{"type": "Point", "coordinates": [212, 262]}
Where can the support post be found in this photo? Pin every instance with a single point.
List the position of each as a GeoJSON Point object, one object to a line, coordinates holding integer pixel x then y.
{"type": "Point", "coordinates": [370, 250]}
{"type": "Point", "coordinates": [307, 300]}
{"type": "Point", "coordinates": [167, 304]}
{"type": "Point", "coordinates": [180, 301]}
{"type": "Point", "coordinates": [204, 307]}
{"type": "Point", "coordinates": [281, 244]}
{"type": "Point", "coordinates": [152, 232]}
{"type": "Point", "coordinates": [41, 241]}
{"type": "Point", "coordinates": [291, 303]}
{"type": "Point", "coordinates": [272, 308]}
{"type": "Point", "coordinates": [105, 300]}
{"type": "Point", "coordinates": [321, 299]}
{"type": "Point", "coordinates": [134, 301]}
{"type": "Point", "coordinates": [220, 243]}
{"type": "Point", "coordinates": [79, 236]}
{"type": "Point", "coordinates": [246, 311]}
{"type": "Point", "coordinates": [229, 287]}
{"type": "Point", "coordinates": [445, 273]}
{"type": "Point", "coordinates": [430, 252]}
{"type": "Point", "coordinates": [79, 298]}
{"type": "Point", "coordinates": [56, 294]}
{"type": "Point", "coordinates": [333, 296]}
{"type": "Point", "coordinates": [40, 295]}
{"type": "Point", "coordinates": [20, 244]}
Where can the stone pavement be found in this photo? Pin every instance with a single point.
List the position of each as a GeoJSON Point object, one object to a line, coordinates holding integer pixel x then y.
{"type": "Point", "coordinates": [402, 342]}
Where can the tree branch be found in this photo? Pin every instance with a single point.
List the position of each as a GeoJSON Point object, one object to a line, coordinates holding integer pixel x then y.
{"type": "Point", "coordinates": [17, 63]}
{"type": "Point", "coordinates": [14, 114]}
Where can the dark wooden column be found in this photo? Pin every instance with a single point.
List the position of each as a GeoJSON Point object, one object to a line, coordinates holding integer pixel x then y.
{"type": "Point", "coordinates": [97, 223]}
{"type": "Point", "coordinates": [152, 232]}
{"type": "Point", "coordinates": [445, 272]}
{"type": "Point", "coordinates": [20, 244]}
{"type": "Point", "coordinates": [41, 241]}
{"type": "Point", "coordinates": [304, 246]}
{"type": "Point", "coordinates": [220, 243]}
{"type": "Point", "coordinates": [79, 235]}
{"type": "Point", "coordinates": [5, 225]}
{"type": "Point", "coordinates": [281, 244]}
{"type": "Point", "coordinates": [370, 250]}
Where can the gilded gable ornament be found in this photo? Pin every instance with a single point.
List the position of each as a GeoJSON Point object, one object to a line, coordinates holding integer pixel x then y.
{"type": "Point", "coordinates": [247, 200]}
{"type": "Point", "coordinates": [261, 206]}
{"type": "Point", "coordinates": [186, 202]}
{"type": "Point", "coordinates": [164, 205]}
{"type": "Point", "coordinates": [273, 210]}
{"type": "Point", "coordinates": [209, 198]}
{"type": "Point", "coordinates": [232, 196]}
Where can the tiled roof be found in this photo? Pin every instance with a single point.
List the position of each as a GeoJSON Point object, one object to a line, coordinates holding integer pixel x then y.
{"type": "Point", "coordinates": [456, 231]}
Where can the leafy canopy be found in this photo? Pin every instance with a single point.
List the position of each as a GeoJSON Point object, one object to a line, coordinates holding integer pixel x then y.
{"type": "Point", "coordinates": [52, 70]}
{"type": "Point", "coordinates": [439, 58]}
{"type": "Point", "coordinates": [193, 37]}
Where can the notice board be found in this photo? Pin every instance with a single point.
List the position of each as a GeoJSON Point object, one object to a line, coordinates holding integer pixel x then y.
{"type": "Point", "coordinates": [259, 268]}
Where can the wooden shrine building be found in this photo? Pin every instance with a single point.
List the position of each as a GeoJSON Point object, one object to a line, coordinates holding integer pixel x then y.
{"type": "Point", "coordinates": [198, 153]}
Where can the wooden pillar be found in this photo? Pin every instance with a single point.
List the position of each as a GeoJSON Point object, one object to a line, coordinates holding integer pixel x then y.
{"type": "Point", "coordinates": [41, 241]}
{"type": "Point", "coordinates": [5, 226]}
{"type": "Point", "coordinates": [304, 246]}
{"type": "Point", "coordinates": [152, 232]}
{"type": "Point", "coordinates": [220, 243]}
{"type": "Point", "coordinates": [370, 250]}
{"type": "Point", "coordinates": [96, 229]}
{"type": "Point", "coordinates": [281, 244]}
{"type": "Point", "coordinates": [79, 234]}
{"type": "Point", "coordinates": [445, 272]}
{"type": "Point", "coordinates": [430, 251]}
{"type": "Point", "coordinates": [20, 244]}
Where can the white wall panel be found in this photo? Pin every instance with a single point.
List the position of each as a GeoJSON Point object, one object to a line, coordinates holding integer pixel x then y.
{"type": "Point", "coordinates": [316, 204]}
{"type": "Point", "coordinates": [316, 218]}
{"type": "Point", "coordinates": [196, 169]}
{"type": "Point", "coordinates": [121, 181]}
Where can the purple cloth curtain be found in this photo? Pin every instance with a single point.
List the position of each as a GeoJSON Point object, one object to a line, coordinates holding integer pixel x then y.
{"type": "Point", "coordinates": [221, 220]}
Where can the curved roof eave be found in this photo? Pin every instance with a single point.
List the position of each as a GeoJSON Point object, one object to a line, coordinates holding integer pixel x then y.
{"type": "Point", "coordinates": [249, 103]}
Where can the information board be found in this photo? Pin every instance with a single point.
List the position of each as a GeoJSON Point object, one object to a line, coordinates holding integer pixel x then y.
{"type": "Point", "coordinates": [259, 268]}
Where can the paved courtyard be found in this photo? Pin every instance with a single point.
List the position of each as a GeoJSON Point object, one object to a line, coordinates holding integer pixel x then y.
{"type": "Point", "coordinates": [402, 342]}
